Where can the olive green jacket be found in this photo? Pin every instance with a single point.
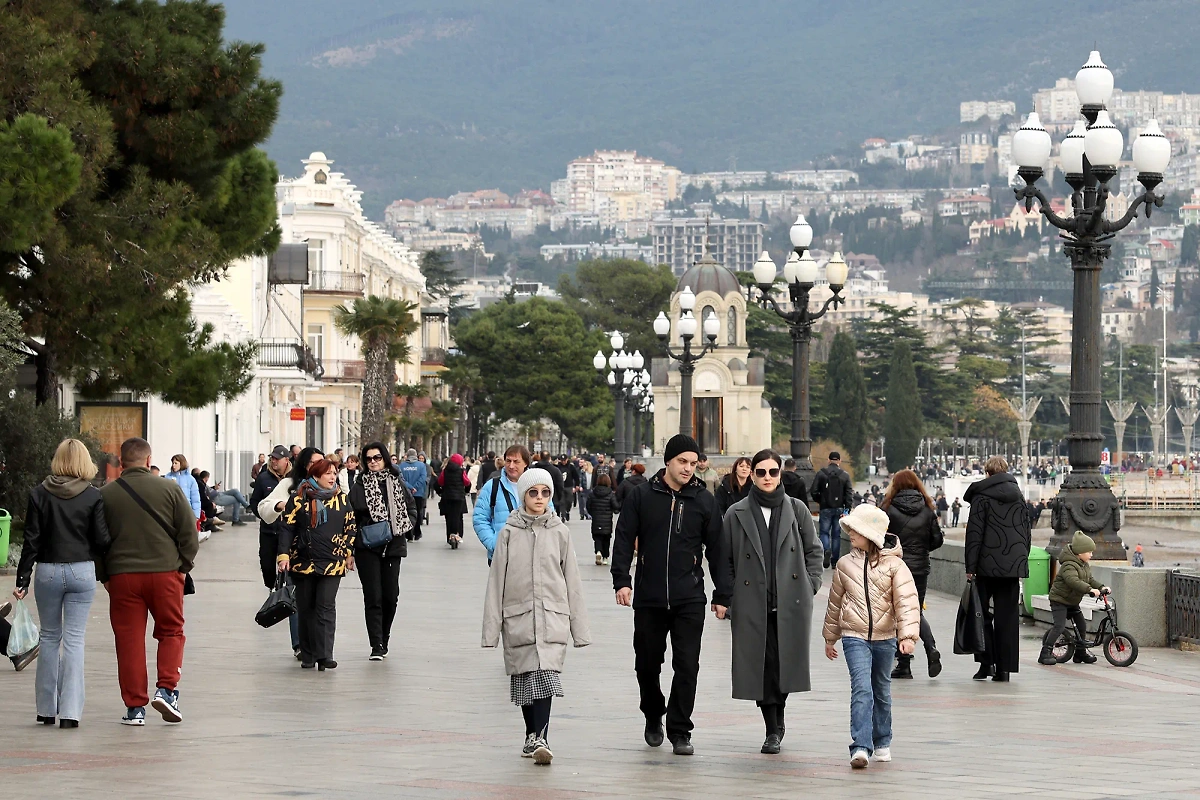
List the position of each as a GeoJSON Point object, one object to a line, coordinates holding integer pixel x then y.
{"type": "Point", "coordinates": [1074, 579]}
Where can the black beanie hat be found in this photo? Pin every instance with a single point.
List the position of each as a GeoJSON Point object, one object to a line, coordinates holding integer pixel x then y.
{"type": "Point", "coordinates": [680, 443]}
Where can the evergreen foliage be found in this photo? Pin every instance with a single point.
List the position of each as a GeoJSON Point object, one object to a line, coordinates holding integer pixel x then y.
{"type": "Point", "coordinates": [846, 397]}
{"type": "Point", "coordinates": [622, 295]}
{"type": "Point", "coordinates": [161, 188]}
{"type": "Point", "coordinates": [902, 421]}
{"type": "Point", "coordinates": [442, 281]}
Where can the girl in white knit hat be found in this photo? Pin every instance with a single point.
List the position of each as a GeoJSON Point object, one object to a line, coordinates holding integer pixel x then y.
{"type": "Point", "coordinates": [535, 603]}
{"type": "Point", "coordinates": [872, 604]}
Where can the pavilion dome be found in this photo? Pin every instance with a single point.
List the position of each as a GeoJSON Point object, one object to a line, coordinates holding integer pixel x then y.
{"type": "Point", "coordinates": [708, 275]}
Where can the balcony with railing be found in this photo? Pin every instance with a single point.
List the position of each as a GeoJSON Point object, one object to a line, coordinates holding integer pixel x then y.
{"type": "Point", "coordinates": [351, 283]}
{"type": "Point", "coordinates": [290, 357]}
{"type": "Point", "coordinates": [433, 355]}
{"type": "Point", "coordinates": [345, 371]}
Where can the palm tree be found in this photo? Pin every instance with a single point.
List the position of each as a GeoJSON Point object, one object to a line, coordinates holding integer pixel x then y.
{"type": "Point", "coordinates": [464, 380]}
{"type": "Point", "coordinates": [410, 392]}
{"type": "Point", "coordinates": [383, 325]}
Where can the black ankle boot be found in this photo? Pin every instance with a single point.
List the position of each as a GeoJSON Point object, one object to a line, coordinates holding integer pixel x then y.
{"type": "Point", "coordinates": [935, 662]}
{"type": "Point", "coordinates": [1082, 656]}
{"type": "Point", "coordinates": [903, 669]}
{"type": "Point", "coordinates": [1047, 657]}
{"type": "Point", "coordinates": [984, 672]}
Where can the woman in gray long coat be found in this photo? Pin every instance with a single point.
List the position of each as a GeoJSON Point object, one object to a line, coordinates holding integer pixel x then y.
{"type": "Point", "coordinates": [772, 565]}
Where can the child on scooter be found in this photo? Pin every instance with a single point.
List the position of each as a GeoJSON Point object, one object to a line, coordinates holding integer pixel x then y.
{"type": "Point", "coordinates": [1074, 580]}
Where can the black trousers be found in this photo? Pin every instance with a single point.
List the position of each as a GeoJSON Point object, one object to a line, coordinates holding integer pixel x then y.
{"type": "Point", "coordinates": [415, 533]}
{"type": "Point", "coordinates": [268, 549]}
{"type": "Point", "coordinates": [316, 603]}
{"type": "Point", "coordinates": [772, 694]}
{"type": "Point", "coordinates": [602, 543]}
{"type": "Point", "coordinates": [537, 717]}
{"type": "Point", "coordinates": [1001, 624]}
{"type": "Point", "coordinates": [380, 579]}
{"type": "Point", "coordinates": [1061, 612]}
{"type": "Point", "coordinates": [651, 626]}
{"type": "Point", "coordinates": [922, 582]}
{"type": "Point", "coordinates": [454, 525]}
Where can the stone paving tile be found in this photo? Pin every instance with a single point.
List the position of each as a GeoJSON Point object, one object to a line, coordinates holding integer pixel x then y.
{"type": "Point", "coordinates": [434, 721]}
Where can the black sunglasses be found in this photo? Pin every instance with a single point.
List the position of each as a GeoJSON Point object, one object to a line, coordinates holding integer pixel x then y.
{"type": "Point", "coordinates": [375, 458]}
{"type": "Point", "coordinates": [762, 473]}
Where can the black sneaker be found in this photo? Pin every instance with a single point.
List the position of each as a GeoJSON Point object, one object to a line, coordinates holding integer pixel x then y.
{"type": "Point", "coordinates": [376, 654]}
{"type": "Point", "coordinates": [935, 662]}
{"type": "Point", "coordinates": [328, 663]}
{"type": "Point", "coordinates": [771, 745]}
{"type": "Point", "coordinates": [654, 732]}
{"type": "Point", "coordinates": [827, 554]}
{"type": "Point", "coordinates": [21, 662]}
{"type": "Point", "coordinates": [531, 744]}
{"type": "Point", "coordinates": [682, 745]}
{"type": "Point", "coordinates": [984, 672]}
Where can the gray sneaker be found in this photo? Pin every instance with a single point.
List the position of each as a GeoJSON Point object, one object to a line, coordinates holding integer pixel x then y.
{"type": "Point", "coordinates": [541, 753]}
{"type": "Point", "coordinates": [166, 702]}
{"type": "Point", "coordinates": [531, 743]}
{"type": "Point", "coordinates": [134, 716]}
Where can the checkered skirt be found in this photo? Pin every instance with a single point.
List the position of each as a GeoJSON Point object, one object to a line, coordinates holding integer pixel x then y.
{"type": "Point", "coordinates": [536, 685]}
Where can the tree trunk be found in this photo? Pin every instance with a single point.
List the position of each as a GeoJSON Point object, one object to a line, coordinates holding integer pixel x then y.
{"type": "Point", "coordinates": [47, 385]}
{"type": "Point", "coordinates": [375, 393]}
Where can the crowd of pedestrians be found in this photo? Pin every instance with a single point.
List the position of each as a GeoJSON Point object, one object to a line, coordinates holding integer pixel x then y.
{"type": "Point", "coordinates": [323, 516]}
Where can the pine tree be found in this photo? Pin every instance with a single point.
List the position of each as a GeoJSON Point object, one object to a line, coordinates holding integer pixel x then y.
{"type": "Point", "coordinates": [163, 118]}
{"type": "Point", "coordinates": [846, 396]}
{"type": "Point", "coordinates": [902, 412]}
{"type": "Point", "coordinates": [1177, 295]}
{"type": "Point", "coordinates": [442, 281]}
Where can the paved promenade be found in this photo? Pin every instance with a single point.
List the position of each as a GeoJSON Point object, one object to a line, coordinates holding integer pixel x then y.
{"type": "Point", "coordinates": [434, 721]}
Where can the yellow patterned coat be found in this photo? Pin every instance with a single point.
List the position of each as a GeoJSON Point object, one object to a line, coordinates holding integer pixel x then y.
{"type": "Point", "coordinates": [321, 549]}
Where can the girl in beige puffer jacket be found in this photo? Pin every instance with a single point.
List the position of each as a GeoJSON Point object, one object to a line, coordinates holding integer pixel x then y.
{"type": "Point", "coordinates": [872, 605]}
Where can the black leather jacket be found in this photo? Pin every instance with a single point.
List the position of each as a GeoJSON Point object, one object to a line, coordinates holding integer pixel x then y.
{"type": "Point", "coordinates": [62, 531]}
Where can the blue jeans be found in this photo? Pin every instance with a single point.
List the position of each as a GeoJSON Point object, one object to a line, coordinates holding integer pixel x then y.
{"type": "Point", "coordinates": [831, 532]}
{"type": "Point", "coordinates": [231, 497]}
{"type": "Point", "coordinates": [870, 665]}
{"type": "Point", "coordinates": [64, 593]}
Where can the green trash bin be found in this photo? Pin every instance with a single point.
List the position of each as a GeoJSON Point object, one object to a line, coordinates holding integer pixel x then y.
{"type": "Point", "coordinates": [1038, 581]}
{"type": "Point", "coordinates": [5, 524]}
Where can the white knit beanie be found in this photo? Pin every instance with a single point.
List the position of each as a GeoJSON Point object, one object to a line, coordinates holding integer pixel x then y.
{"type": "Point", "coordinates": [530, 478]}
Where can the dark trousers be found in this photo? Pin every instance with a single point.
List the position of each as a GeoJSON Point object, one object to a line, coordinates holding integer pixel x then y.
{"type": "Point", "coordinates": [1001, 624]}
{"type": "Point", "coordinates": [381, 592]}
{"type": "Point", "coordinates": [774, 699]}
{"type": "Point", "coordinates": [537, 717]}
{"type": "Point", "coordinates": [268, 546]}
{"type": "Point", "coordinates": [651, 626]}
{"type": "Point", "coordinates": [922, 582]}
{"type": "Point", "coordinates": [316, 603]}
{"type": "Point", "coordinates": [415, 533]}
{"type": "Point", "coordinates": [1062, 612]}
{"type": "Point", "coordinates": [454, 525]}
{"type": "Point", "coordinates": [602, 542]}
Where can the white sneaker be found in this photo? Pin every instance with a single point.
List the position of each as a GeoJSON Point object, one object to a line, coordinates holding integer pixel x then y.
{"type": "Point", "coordinates": [204, 535]}
{"type": "Point", "coordinates": [859, 759]}
{"type": "Point", "coordinates": [883, 754]}
{"type": "Point", "coordinates": [599, 558]}
{"type": "Point", "coordinates": [541, 754]}
{"type": "Point", "coordinates": [605, 562]}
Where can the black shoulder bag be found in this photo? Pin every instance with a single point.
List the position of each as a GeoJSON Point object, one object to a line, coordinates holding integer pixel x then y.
{"type": "Point", "coordinates": [189, 586]}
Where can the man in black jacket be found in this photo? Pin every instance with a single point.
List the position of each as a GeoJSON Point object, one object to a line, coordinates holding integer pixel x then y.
{"type": "Point", "coordinates": [571, 479]}
{"type": "Point", "coordinates": [278, 466]}
{"type": "Point", "coordinates": [675, 523]}
{"type": "Point", "coordinates": [835, 495]}
{"type": "Point", "coordinates": [793, 484]}
{"type": "Point", "coordinates": [556, 475]}
{"type": "Point", "coordinates": [487, 469]}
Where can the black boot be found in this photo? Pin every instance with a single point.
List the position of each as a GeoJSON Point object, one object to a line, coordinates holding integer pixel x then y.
{"type": "Point", "coordinates": [1047, 657]}
{"type": "Point", "coordinates": [1082, 656]}
{"type": "Point", "coordinates": [903, 668]}
{"type": "Point", "coordinates": [984, 672]}
{"type": "Point", "coordinates": [935, 662]}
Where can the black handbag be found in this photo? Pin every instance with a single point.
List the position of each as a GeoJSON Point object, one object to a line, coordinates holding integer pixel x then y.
{"type": "Point", "coordinates": [280, 603]}
{"type": "Point", "coordinates": [968, 627]}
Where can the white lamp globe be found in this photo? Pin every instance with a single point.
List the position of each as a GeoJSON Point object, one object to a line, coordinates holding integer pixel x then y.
{"type": "Point", "coordinates": [806, 269]}
{"type": "Point", "coordinates": [651, 408]}
{"type": "Point", "coordinates": [1031, 144]}
{"type": "Point", "coordinates": [638, 360]}
{"type": "Point", "coordinates": [801, 232]}
{"type": "Point", "coordinates": [598, 360]}
{"type": "Point", "coordinates": [687, 299]}
{"type": "Point", "coordinates": [612, 379]}
{"type": "Point", "coordinates": [789, 269]}
{"type": "Point", "coordinates": [1151, 150]}
{"type": "Point", "coordinates": [836, 270]}
{"type": "Point", "coordinates": [1094, 82]}
{"type": "Point", "coordinates": [712, 326]}
{"type": "Point", "coordinates": [662, 325]}
{"type": "Point", "coordinates": [1103, 143]}
{"type": "Point", "coordinates": [616, 340]}
{"type": "Point", "coordinates": [612, 360]}
{"type": "Point", "coordinates": [623, 360]}
{"type": "Point", "coordinates": [687, 326]}
{"type": "Point", "coordinates": [1070, 152]}
{"type": "Point", "coordinates": [764, 270]}
{"type": "Point", "coordinates": [646, 377]}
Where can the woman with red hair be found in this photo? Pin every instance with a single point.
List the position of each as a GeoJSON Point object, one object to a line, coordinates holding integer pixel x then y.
{"type": "Point", "coordinates": [316, 544]}
{"type": "Point", "coordinates": [453, 485]}
{"type": "Point", "coordinates": [912, 516]}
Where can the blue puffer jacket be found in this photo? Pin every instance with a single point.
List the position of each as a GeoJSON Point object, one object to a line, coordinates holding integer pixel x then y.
{"type": "Point", "coordinates": [190, 490]}
{"type": "Point", "coordinates": [488, 520]}
{"type": "Point", "coordinates": [416, 476]}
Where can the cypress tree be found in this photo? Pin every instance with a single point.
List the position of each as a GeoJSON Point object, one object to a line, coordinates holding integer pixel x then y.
{"type": "Point", "coordinates": [846, 396]}
{"type": "Point", "coordinates": [902, 411]}
{"type": "Point", "coordinates": [1154, 284]}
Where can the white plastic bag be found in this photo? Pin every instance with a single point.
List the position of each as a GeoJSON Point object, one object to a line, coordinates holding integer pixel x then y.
{"type": "Point", "coordinates": [24, 636]}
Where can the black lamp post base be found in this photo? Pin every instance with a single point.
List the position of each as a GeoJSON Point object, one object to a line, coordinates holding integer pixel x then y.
{"type": "Point", "coordinates": [1086, 503]}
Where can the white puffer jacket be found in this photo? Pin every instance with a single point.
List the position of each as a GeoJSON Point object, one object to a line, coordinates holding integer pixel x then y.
{"type": "Point", "coordinates": [873, 601]}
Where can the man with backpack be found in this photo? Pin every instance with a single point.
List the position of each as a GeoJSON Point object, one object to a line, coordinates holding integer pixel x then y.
{"type": "Point", "coordinates": [499, 497]}
{"type": "Point", "coordinates": [415, 475]}
{"type": "Point", "coordinates": [835, 495]}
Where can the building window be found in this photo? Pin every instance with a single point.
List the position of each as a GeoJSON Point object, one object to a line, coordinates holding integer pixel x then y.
{"type": "Point", "coordinates": [731, 327]}
{"type": "Point", "coordinates": [316, 255]}
{"type": "Point", "coordinates": [316, 340]}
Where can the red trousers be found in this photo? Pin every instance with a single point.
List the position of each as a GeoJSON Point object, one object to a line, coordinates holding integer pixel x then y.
{"type": "Point", "coordinates": [130, 596]}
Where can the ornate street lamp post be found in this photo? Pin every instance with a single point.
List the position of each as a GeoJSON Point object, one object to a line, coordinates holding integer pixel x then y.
{"type": "Point", "coordinates": [686, 358]}
{"type": "Point", "coordinates": [1089, 155]}
{"type": "Point", "coordinates": [621, 376]}
{"type": "Point", "coordinates": [800, 272]}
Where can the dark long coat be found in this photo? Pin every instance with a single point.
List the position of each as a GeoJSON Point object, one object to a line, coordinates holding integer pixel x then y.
{"type": "Point", "coordinates": [798, 577]}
